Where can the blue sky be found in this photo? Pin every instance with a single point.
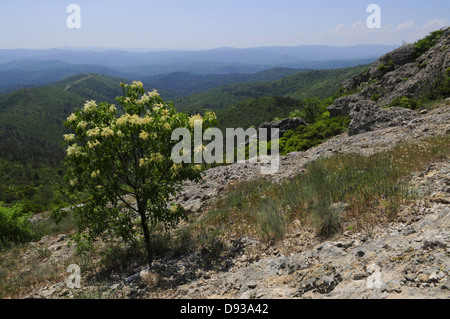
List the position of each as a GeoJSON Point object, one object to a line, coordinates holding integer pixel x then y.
{"type": "Point", "coordinates": [204, 24]}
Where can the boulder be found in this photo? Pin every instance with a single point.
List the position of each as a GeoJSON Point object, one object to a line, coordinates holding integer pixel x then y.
{"type": "Point", "coordinates": [401, 56]}
{"type": "Point", "coordinates": [343, 105]}
{"type": "Point", "coordinates": [284, 125]}
{"type": "Point", "coordinates": [368, 116]}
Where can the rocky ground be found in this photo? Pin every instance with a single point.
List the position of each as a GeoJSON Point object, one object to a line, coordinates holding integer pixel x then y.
{"type": "Point", "coordinates": [408, 258]}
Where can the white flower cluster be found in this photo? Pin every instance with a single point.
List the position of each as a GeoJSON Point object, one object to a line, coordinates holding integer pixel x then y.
{"type": "Point", "coordinates": [94, 132]}
{"type": "Point", "coordinates": [82, 125]}
{"type": "Point", "coordinates": [210, 116]}
{"type": "Point", "coordinates": [156, 157]}
{"type": "Point", "coordinates": [73, 150]}
{"type": "Point", "coordinates": [177, 167]}
{"type": "Point", "coordinates": [137, 85]}
{"type": "Point", "coordinates": [90, 106]}
{"type": "Point", "coordinates": [93, 144]}
{"type": "Point", "coordinates": [72, 118]}
{"type": "Point", "coordinates": [195, 120]}
{"type": "Point", "coordinates": [69, 137]}
{"type": "Point", "coordinates": [134, 119]}
{"type": "Point", "coordinates": [95, 174]}
{"type": "Point", "coordinates": [147, 97]}
{"type": "Point", "coordinates": [143, 135]}
{"type": "Point", "coordinates": [107, 131]}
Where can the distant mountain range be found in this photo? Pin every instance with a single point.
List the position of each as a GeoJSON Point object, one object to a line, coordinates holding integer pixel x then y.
{"type": "Point", "coordinates": [259, 56]}
{"type": "Point", "coordinates": [22, 68]}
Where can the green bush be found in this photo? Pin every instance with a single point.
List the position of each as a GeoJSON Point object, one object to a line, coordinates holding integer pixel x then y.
{"type": "Point", "coordinates": [444, 88]}
{"type": "Point", "coordinates": [387, 67]}
{"type": "Point", "coordinates": [15, 226]}
{"type": "Point", "coordinates": [312, 109]}
{"type": "Point", "coordinates": [306, 136]}
{"type": "Point", "coordinates": [425, 44]}
{"type": "Point", "coordinates": [375, 97]}
{"type": "Point", "coordinates": [405, 102]}
{"type": "Point", "coordinates": [382, 68]}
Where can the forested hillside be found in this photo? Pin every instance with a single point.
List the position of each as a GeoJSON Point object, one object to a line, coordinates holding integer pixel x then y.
{"type": "Point", "coordinates": [31, 130]}
{"type": "Point", "coordinates": [316, 83]}
{"type": "Point", "coordinates": [28, 73]}
{"type": "Point", "coordinates": [185, 83]}
{"type": "Point", "coordinates": [31, 136]}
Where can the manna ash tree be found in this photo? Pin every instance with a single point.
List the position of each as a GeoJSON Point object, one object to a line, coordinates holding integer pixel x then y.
{"type": "Point", "coordinates": [122, 159]}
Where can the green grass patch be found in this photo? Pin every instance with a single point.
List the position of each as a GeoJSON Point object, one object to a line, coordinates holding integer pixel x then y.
{"type": "Point", "coordinates": [343, 191]}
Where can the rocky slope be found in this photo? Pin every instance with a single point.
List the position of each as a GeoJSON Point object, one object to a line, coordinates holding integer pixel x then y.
{"type": "Point", "coordinates": [397, 74]}
{"type": "Point", "coordinates": [407, 259]}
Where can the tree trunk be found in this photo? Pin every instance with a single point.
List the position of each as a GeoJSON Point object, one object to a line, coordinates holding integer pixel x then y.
{"type": "Point", "coordinates": [144, 225]}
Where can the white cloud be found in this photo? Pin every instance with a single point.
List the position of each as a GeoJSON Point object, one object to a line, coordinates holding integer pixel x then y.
{"type": "Point", "coordinates": [434, 24]}
{"type": "Point", "coordinates": [408, 25]}
{"type": "Point", "coordinates": [343, 35]}
{"type": "Point", "coordinates": [359, 33]}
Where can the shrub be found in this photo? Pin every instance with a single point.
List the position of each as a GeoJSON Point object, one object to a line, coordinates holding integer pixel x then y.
{"type": "Point", "coordinates": [327, 219]}
{"type": "Point", "coordinates": [15, 225]}
{"type": "Point", "coordinates": [382, 68]}
{"type": "Point", "coordinates": [425, 44]}
{"type": "Point", "coordinates": [444, 88]}
{"type": "Point", "coordinates": [312, 109]}
{"type": "Point", "coordinates": [422, 65]}
{"type": "Point", "coordinates": [375, 97]}
{"type": "Point", "coordinates": [295, 113]}
{"type": "Point", "coordinates": [305, 137]}
{"type": "Point", "coordinates": [405, 102]}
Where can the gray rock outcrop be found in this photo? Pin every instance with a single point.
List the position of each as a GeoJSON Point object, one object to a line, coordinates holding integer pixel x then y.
{"type": "Point", "coordinates": [368, 116]}
{"type": "Point", "coordinates": [284, 125]}
{"type": "Point", "coordinates": [400, 73]}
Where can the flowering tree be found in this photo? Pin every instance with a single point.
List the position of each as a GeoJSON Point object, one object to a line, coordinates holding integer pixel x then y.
{"type": "Point", "coordinates": [122, 158]}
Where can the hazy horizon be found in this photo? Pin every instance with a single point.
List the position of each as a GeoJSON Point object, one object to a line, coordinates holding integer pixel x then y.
{"type": "Point", "coordinates": [148, 50]}
{"type": "Point", "coordinates": [212, 24]}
